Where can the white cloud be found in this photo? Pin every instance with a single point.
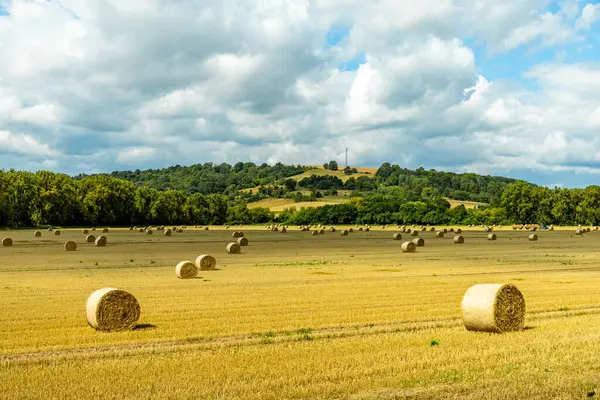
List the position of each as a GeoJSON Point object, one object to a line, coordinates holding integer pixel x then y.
{"type": "Point", "coordinates": [149, 84]}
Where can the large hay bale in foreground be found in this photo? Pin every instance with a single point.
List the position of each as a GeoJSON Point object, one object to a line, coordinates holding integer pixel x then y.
{"type": "Point", "coordinates": [237, 234]}
{"type": "Point", "coordinates": [408, 247]}
{"type": "Point", "coordinates": [37, 234]}
{"type": "Point", "coordinates": [242, 241]}
{"type": "Point", "coordinates": [90, 238]}
{"type": "Point", "coordinates": [101, 241]}
{"type": "Point", "coordinates": [458, 239]}
{"type": "Point", "coordinates": [233, 248]}
{"type": "Point", "coordinates": [344, 232]}
{"type": "Point", "coordinates": [491, 236]}
{"type": "Point", "coordinates": [397, 236]}
{"type": "Point", "coordinates": [186, 270]}
{"type": "Point", "coordinates": [56, 233]}
{"type": "Point", "coordinates": [111, 309]}
{"type": "Point", "coordinates": [533, 237]}
{"type": "Point", "coordinates": [419, 242]}
{"type": "Point", "coordinates": [206, 262]}
{"type": "Point", "coordinates": [493, 308]}
{"type": "Point", "coordinates": [439, 234]}
{"type": "Point", "coordinates": [70, 246]}
{"type": "Point", "coordinates": [7, 242]}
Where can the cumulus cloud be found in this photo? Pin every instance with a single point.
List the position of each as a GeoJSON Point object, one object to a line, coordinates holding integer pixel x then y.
{"type": "Point", "coordinates": [89, 86]}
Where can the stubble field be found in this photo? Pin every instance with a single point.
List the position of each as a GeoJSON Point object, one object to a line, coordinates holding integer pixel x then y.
{"type": "Point", "coordinates": [299, 316]}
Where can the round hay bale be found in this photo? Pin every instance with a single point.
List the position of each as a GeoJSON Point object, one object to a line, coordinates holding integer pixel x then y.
{"type": "Point", "coordinates": [56, 233]}
{"type": "Point", "coordinates": [432, 229]}
{"type": "Point", "coordinates": [533, 237]}
{"type": "Point", "coordinates": [459, 231]}
{"type": "Point", "coordinates": [397, 236]}
{"type": "Point", "coordinates": [493, 308]}
{"type": "Point", "coordinates": [451, 230]}
{"type": "Point", "coordinates": [445, 230]}
{"type": "Point", "coordinates": [100, 241]}
{"type": "Point", "coordinates": [50, 229]}
{"type": "Point", "coordinates": [180, 230]}
{"type": "Point", "coordinates": [7, 242]}
{"type": "Point", "coordinates": [423, 229]}
{"type": "Point", "coordinates": [458, 239]}
{"type": "Point", "coordinates": [90, 238]}
{"type": "Point", "coordinates": [242, 241]}
{"type": "Point", "coordinates": [491, 236]}
{"type": "Point", "coordinates": [579, 231]}
{"type": "Point", "coordinates": [322, 232]}
{"type": "Point", "coordinates": [414, 233]}
{"type": "Point", "coordinates": [94, 228]}
{"type": "Point", "coordinates": [367, 229]}
{"type": "Point", "coordinates": [360, 229]}
{"type": "Point", "coordinates": [552, 228]}
{"type": "Point", "coordinates": [275, 229]}
{"type": "Point", "coordinates": [85, 231]}
{"type": "Point", "coordinates": [315, 233]}
{"type": "Point", "coordinates": [149, 232]}
{"type": "Point", "coordinates": [237, 234]}
{"type": "Point", "coordinates": [439, 234]}
{"type": "Point", "coordinates": [283, 230]}
{"type": "Point", "coordinates": [206, 262]}
{"type": "Point", "coordinates": [111, 309]}
{"type": "Point", "coordinates": [332, 229]}
{"type": "Point", "coordinates": [233, 248]}
{"type": "Point", "coordinates": [351, 230]}
{"type": "Point", "coordinates": [587, 229]}
{"type": "Point", "coordinates": [419, 242]}
{"type": "Point", "coordinates": [105, 230]}
{"type": "Point", "coordinates": [141, 230]}
{"type": "Point", "coordinates": [206, 228]}
{"type": "Point", "coordinates": [70, 246]}
{"type": "Point", "coordinates": [37, 234]}
{"type": "Point", "coordinates": [131, 228]}
{"type": "Point", "coordinates": [186, 270]}
{"type": "Point", "coordinates": [408, 247]}
{"type": "Point", "coordinates": [168, 232]}
{"type": "Point", "coordinates": [344, 232]}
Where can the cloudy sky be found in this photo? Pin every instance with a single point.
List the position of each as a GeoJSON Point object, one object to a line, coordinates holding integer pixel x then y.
{"type": "Point", "coordinates": [505, 87]}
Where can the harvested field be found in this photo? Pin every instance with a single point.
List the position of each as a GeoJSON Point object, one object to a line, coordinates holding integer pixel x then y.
{"type": "Point", "coordinates": [296, 316]}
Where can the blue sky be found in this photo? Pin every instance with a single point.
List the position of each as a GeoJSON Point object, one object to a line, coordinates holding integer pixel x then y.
{"type": "Point", "coordinates": [81, 90]}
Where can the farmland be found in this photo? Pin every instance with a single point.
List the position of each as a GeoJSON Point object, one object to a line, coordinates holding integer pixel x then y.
{"type": "Point", "coordinates": [298, 316]}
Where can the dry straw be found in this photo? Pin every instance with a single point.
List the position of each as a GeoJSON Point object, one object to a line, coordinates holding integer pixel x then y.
{"type": "Point", "coordinates": [432, 229]}
{"type": "Point", "coordinates": [37, 234]}
{"type": "Point", "coordinates": [492, 236]}
{"type": "Point", "coordinates": [414, 233]}
{"type": "Point", "coordinates": [397, 236]}
{"type": "Point", "coordinates": [242, 241]}
{"type": "Point", "coordinates": [141, 230]}
{"type": "Point", "coordinates": [206, 228]}
{"type": "Point", "coordinates": [439, 234]}
{"type": "Point", "coordinates": [237, 234]}
{"type": "Point", "coordinates": [90, 238]}
{"type": "Point", "coordinates": [168, 232]}
{"type": "Point", "coordinates": [533, 237]}
{"type": "Point", "coordinates": [7, 242]}
{"type": "Point", "coordinates": [408, 247]}
{"type": "Point", "coordinates": [332, 229]}
{"type": "Point", "coordinates": [361, 229]}
{"type": "Point", "coordinates": [419, 242]}
{"type": "Point", "coordinates": [70, 246]}
{"type": "Point", "coordinates": [579, 231]}
{"type": "Point", "coordinates": [458, 239]}
{"type": "Point", "coordinates": [206, 262]}
{"type": "Point", "coordinates": [186, 270]}
{"type": "Point", "coordinates": [451, 229]}
{"type": "Point", "coordinates": [344, 232]}
{"type": "Point", "coordinates": [56, 233]}
{"type": "Point", "coordinates": [459, 231]}
{"type": "Point", "coordinates": [105, 230]}
{"type": "Point", "coordinates": [315, 233]}
{"type": "Point", "coordinates": [149, 232]}
{"type": "Point", "coordinates": [283, 230]}
{"type": "Point", "coordinates": [85, 231]}
{"type": "Point", "coordinates": [101, 241]}
{"type": "Point", "coordinates": [233, 248]}
{"type": "Point", "coordinates": [111, 309]}
{"type": "Point", "coordinates": [493, 308]}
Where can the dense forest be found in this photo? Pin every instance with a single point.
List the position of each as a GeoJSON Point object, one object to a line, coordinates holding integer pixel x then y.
{"type": "Point", "coordinates": [393, 195]}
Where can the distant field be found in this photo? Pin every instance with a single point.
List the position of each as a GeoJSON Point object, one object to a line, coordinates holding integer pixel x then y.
{"type": "Point", "coordinates": [277, 205]}
{"type": "Point", "coordinates": [299, 316]}
{"type": "Point", "coordinates": [467, 204]}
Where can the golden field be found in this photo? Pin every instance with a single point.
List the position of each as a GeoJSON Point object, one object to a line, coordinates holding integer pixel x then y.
{"type": "Point", "coordinates": [299, 316]}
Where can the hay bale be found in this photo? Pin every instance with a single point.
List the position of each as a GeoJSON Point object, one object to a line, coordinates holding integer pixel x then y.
{"type": "Point", "coordinates": [367, 229]}
{"type": "Point", "coordinates": [344, 232]}
{"type": "Point", "coordinates": [397, 236]}
{"type": "Point", "coordinates": [419, 242]}
{"type": "Point", "coordinates": [70, 246]}
{"type": "Point", "coordinates": [149, 232]}
{"type": "Point", "coordinates": [180, 230]}
{"type": "Point", "coordinates": [423, 229]}
{"type": "Point", "coordinates": [101, 241]}
{"type": "Point", "coordinates": [50, 229]}
{"type": "Point", "coordinates": [283, 230]}
{"type": "Point", "coordinates": [322, 232]}
{"type": "Point", "coordinates": [7, 242]}
{"type": "Point", "coordinates": [186, 270]}
{"type": "Point", "coordinates": [491, 236]}
{"type": "Point", "coordinates": [360, 229]}
{"type": "Point", "coordinates": [439, 234]}
{"type": "Point", "coordinates": [458, 239]}
{"type": "Point", "coordinates": [237, 234]}
{"type": "Point", "coordinates": [90, 238]}
{"type": "Point", "coordinates": [242, 241]}
{"type": "Point", "coordinates": [85, 231]}
{"type": "Point", "coordinates": [414, 233]}
{"type": "Point", "coordinates": [37, 234]}
{"type": "Point", "coordinates": [587, 229]}
{"type": "Point", "coordinates": [233, 248]}
{"type": "Point", "coordinates": [533, 237]}
{"type": "Point", "coordinates": [459, 231]}
{"type": "Point", "coordinates": [432, 229]}
{"type": "Point", "coordinates": [94, 228]}
{"type": "Point", "coordinates": [206, 262]}
{"type": "Point", "coordinates": [408, 247]}
{"type": "Point", "coordinates": [105, 230]}
{"type": "Point", "coordinates": [351, 230]}
{"type": "Point", "coordinates": [56, 233]}
{"type": "Point", "coordinates": [445, 230]}
{"type": "Point", "coordinates": [493, 308]}
{"type": "Point", "coordinates": [111, 309]}
{"type": "Point", "coordinates": [579, 232]}
{"type": "Point", "coordinates": [131, 228]}
{"type": "Point", "coordinates": [206, 228]}
{"type": "Point", "coordinates": [275, 229]}
{"type": "Point", "coordinates": [315, 233]}
{"type": "Point", "coordinates": [332, 229]}
{"type": "Point", "coordinates": [451, 230]}
{"type": "Point", "coordinates": [168, 232]}
{"type": "Point", "coordinates": [141, 230]}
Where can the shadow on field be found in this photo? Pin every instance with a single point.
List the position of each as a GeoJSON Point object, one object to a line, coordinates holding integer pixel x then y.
{"type": "Point", "coordinates": [528, 328]}
{"type": "Point", "coordinates": [140, 327]}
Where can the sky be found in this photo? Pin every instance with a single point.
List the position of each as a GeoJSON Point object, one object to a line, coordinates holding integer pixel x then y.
{"type": "Point", "coordinates": [507, 88]}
